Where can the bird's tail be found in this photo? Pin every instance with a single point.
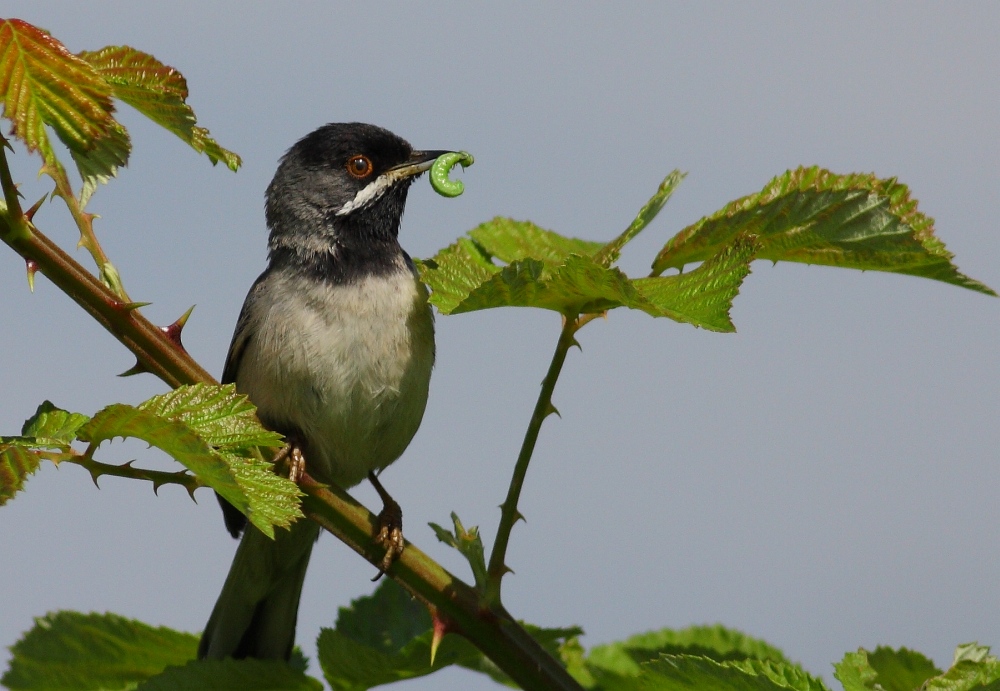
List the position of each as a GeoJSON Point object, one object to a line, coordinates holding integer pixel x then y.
{"type": "Point", "coordinates": [256, 612]}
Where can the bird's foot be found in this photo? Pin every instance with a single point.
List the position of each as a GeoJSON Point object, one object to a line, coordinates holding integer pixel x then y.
{"type": "Point", "coordinates": [291, 455]}
{"type": "Point", "coordinates": [390, 528]}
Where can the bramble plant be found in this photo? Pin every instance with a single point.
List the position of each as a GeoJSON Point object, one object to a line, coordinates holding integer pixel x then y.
{"type": "Point", "coordinates": [807, 215]}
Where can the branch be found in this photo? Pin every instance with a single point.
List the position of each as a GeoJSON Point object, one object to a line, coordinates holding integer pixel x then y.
{"type": "Point", "coordinates": [543, 408]}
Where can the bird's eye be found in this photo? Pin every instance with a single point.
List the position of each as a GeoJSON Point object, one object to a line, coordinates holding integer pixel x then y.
{"type": "Point", "coordinates": [360, 166]}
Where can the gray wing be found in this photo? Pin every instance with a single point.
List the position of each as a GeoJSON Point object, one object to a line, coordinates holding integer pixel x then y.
{"type": "Point", "coordinates": [236, 522]}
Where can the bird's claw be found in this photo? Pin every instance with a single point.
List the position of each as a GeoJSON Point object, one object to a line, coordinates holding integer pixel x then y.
{"type": "Point", "coordinates": [293, 459]}
{"type": "Point", "coordinates": [390, 536]}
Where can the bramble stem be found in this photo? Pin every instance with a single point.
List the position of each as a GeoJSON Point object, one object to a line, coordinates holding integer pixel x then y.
{"type": "Point", "coordinates": [543, 408]}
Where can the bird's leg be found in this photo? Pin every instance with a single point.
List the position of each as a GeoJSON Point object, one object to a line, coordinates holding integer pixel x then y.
{"type": "Point", "coordinates": [291, 455]}
{"type": "Point", "coordinates": [390, 527]}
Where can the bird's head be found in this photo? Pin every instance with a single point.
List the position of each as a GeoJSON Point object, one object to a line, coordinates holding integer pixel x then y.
{"type": "Point", "coordinates": [342, 186]}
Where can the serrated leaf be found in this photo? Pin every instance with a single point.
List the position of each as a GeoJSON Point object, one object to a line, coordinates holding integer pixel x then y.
{"type": "Point", "coordinates": [972, 652]}
{"type": "Point", "coordinates": [227, 422]}
{"type": "Point", "coordinates": [42, 83]}
{"type": "Point", "coordinates": [243, 480]}
{"type": "Point", "coordinates": [463, 278]}
{"type": "Point", "coordinates": [812, 215]}
{"type": "Point", "coordinates": [454, 272]}
{"type": "Point", "coordinates": [676, 672]}
{"type": "Point", "coordinates": [714, 642]}
{"type": "Point", "coordinates": [17, 464]}
{"type": "Point", "coordinates": [609, 254]}
{"type": "Point", "coordinates": [702, 297]}
{"type": "Point", "coordinates": [386, 620]}
{"type": "Point", "coordinates": [232, 675]}
{"type": "Point", "coordinates": [70, 650]}
{"type": "Point", "coordinates": [509, 241]}
{"type": "Point", "coordinates": [966, 676]}
{"type": "Point", "coordinates": [101, 163]}
{"type": "Point", "coordinates": [902, 669]}
{"type": "Point", "coordinates": [223, 418]}
{"type": "Point", "coordinates": [468, 543]}
{"type": "Point", "coordinates": [53, 423]}
{"type": "Point", "coordinates": [159, 92]}
{"type": "Point", "coordinates": [855, 672]}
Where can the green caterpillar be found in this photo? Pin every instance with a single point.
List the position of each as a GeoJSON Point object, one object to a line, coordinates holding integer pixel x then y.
{"type": "Point", "coordinates": [442, 166]}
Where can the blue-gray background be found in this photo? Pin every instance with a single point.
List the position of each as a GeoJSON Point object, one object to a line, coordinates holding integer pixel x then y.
{"type": "Point", "coordinates": [825, 478]}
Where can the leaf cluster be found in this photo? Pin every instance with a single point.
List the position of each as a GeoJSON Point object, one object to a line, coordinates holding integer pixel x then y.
{"type": "Point", "coordinates": [387, 637]}
{"type": "Point", "coordinates": [43, 84]}
{"type": "Point", "coordinates": [210, 430]}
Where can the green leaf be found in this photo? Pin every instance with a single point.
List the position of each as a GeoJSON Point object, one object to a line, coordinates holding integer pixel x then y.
{"type": "Point", "coordinates": [455, 272]}
{"type": "Point", "coordinates": [42, 83]}
{"type": "Point", "coordinates": [221, 417]}
{"type": "Point", "coordinates": [232, 675]}
{"type": "Point", "coordinates": [676, 672]}
{"type": "Point", "coordinates": [185, 424]}
{"type": "Point", "coordinates": [702, 297]}
{"type": "Point", "coordinates": [100, 164]}
{"type": "Point", "coordinates": [468, 543]}
{"type": "Point", "coordinates": [609, 254]}
{"type": "Point", "coordinates": [901, 670]}
{"type": "Point", "coordinates": [49, 428]}
{"type": "Point", "coordinates": [714, 642]}
{"type": "Point", "coordinates": [69, 650]}
{"type": "Point", "coordinates": [381, 638]}
{"type": "Point", "coordinates": [159, 92]}
{"type": "Point", "coordinates": [812, 215]}
{"type": "Point", "coordinates": [50, 422]}
{"type": "Point", "coordinates": [386, 620]}
{"type": "Point", "coordinates": [973, 668]}
{"type": "Point", "coordinates": [17, 464]}
{"type": "Point", "coordinates": [855, 672]}
{"type": "Point", "coordinates": [463, 278]}
{"type": "Point", "coordinates": [509, 241]}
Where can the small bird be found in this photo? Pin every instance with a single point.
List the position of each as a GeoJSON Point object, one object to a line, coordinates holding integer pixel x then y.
{"type": "Point", "coordinates": [334, 345]}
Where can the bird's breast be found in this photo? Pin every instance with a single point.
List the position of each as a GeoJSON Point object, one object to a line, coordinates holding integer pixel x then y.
{"type": "Point", "coordinates": [346, 366]}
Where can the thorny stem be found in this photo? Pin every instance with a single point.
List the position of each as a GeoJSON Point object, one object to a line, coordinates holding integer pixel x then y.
{"type": "Point", "coordinates": [85, 223]}
{"type": "Point", "coordinates": [155, 353]}
{"type": "Point", "coordinates": [543, 408]}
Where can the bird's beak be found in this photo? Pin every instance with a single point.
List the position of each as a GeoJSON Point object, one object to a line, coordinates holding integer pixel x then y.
{"type": "Point", "coordinates": [419, 162]}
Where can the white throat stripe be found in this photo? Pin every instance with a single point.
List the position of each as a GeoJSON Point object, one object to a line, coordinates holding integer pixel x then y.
{"type": "Point", "coordinates": [373, 190]}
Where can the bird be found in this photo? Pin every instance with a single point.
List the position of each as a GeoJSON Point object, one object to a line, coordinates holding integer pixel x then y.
{"type": "Point", "coordinates": [334, 346]}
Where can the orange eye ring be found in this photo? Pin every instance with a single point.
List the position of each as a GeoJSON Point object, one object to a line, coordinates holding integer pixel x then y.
{"type": "Point", "coordinates": [360, 166]}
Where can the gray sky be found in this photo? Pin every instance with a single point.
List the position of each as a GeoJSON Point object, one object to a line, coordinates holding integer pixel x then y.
{"type": "Point", "coordinates": [823, 479]}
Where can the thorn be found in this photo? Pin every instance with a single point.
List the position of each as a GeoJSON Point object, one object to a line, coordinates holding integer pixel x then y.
{"type": "Point", "coordinates": [552, 409]}
{"type": "Point", "coordinates": [30, 213]}
{"type": "Point", "coordinates": [440, 629]}
{"type": "Point", "coordinates": [94, 474]}
{"type": "Point", "coordinates": [32, 266]}
{"type": "Point", "coordinates": [156, 487]}
{"type": "Point", "coordinates": [573, 342]}
{"type": "Point", "coordinates": [507, 569]}
{"type": "Point", "coordinates": [173, 332]}
{"type": "Point", "coordinates": [137, 368]}
{"type": "Point", "coordinates": [130, 306]}
{"type": "Point", "coordinates": [518, 516]}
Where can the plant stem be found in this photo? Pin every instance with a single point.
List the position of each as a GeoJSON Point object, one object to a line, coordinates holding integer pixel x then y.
{"type": "Point", "coordinates": [154, 352]}
{"type": "Point", "coordinates": [509, 513]}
